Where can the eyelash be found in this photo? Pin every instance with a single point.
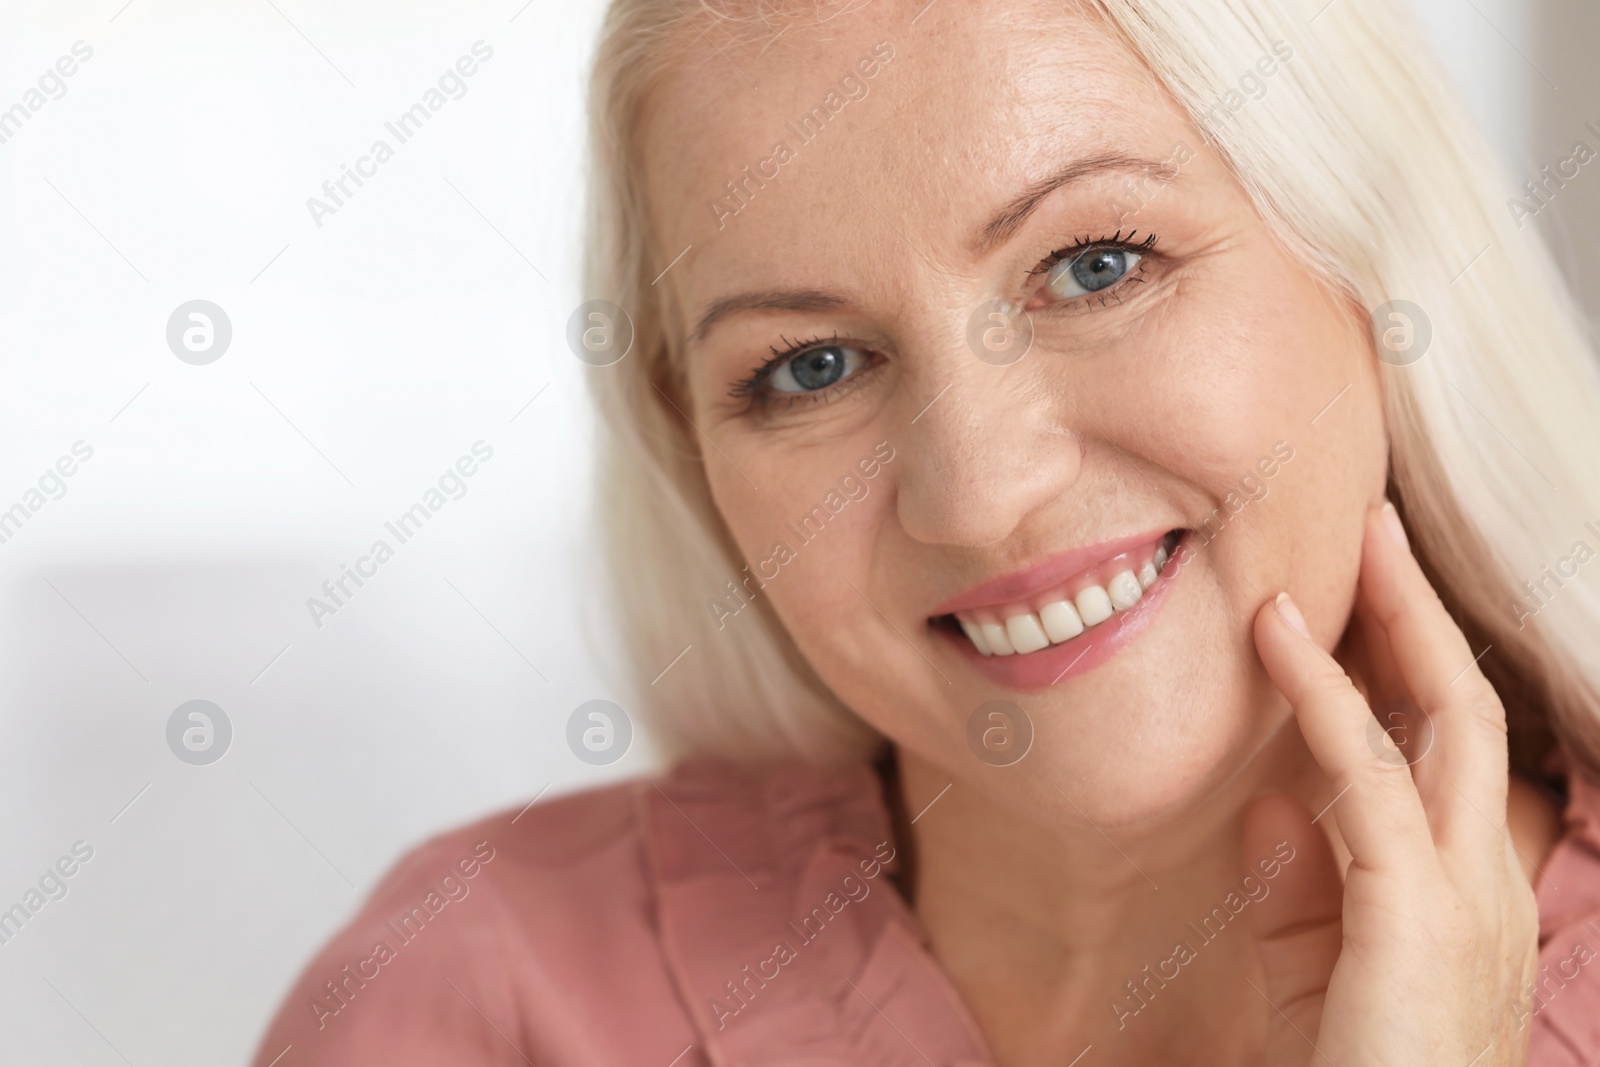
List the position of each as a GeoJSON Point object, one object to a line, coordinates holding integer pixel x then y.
{"type": "Point", "coordinates": [1116, 241]}
{"type": "Point", "coordinates": [750, 387]}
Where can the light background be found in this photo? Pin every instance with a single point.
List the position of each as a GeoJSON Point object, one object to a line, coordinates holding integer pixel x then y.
{"type": "Point", "coordinates": [426, 314]}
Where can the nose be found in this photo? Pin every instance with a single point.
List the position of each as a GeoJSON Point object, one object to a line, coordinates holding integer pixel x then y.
{"type": "Point", "coordinates": [991, 449]}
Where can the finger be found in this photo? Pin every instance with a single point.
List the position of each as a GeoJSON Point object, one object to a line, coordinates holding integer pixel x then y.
{"type": "Point", "coordinates": [1365, 653]}
{"type": "Point", "coordinates": [1297, 923]}
{"type": "Point", "coordinates": [1439, 669]}
{"type": "Point", "coordinates": [1380, 813]}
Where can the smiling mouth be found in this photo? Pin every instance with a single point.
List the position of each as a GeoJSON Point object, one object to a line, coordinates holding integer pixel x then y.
{"type": "Point", "coordinates": [1068, 609]}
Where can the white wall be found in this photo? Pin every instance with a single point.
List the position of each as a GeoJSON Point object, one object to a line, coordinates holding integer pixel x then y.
{"type": "Point", "coordinates": [367, 355]}
{"type": "Point", "coordinates": [370, 355]}
{"type": "Point", "coordinates": [1489, 48]}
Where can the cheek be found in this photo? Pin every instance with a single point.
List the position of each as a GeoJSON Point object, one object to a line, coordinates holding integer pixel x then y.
{"type": "Point", "coordinates": [1229, 371]}
{"type": "Point", "coordinates": [1299, 378]}
{"type": "Point", "coordinates": [1277, 370]}
{"type": "Point", "coordinates": [1233, 377]}
{"type": "Point", "coordinates": [811, 544]}
{"type": "Point", "coordinates": [1259, 413]}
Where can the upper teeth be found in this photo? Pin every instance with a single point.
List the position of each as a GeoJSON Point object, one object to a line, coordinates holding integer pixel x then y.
{"type": "Point", "coordinates": [1062, 618]}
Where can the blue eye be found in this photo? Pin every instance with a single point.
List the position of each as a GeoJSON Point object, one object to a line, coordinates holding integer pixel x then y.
{"type": "Point", "coordinates": [1090, 272]}
{"type": "Point", "coordinates": [815, 369]}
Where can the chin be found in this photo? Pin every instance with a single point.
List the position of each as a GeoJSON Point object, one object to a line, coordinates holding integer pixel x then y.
{"type": "Point", "coordinates": [1150, 733]}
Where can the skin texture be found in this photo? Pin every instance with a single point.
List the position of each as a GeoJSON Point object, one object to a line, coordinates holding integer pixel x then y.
{"type": "Point", "coordinates": [1048, 885]}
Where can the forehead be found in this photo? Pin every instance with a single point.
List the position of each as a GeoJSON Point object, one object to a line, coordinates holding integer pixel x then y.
{"type": "Point", "coordinates": [768, 159]}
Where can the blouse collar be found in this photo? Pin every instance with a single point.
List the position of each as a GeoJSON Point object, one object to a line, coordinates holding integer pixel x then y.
{"type": "Point", "coordinates": [787, 940]}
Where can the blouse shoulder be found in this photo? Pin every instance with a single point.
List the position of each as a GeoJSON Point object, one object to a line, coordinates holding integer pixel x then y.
{"type": "Point", "coordinates": [466, 931]}
{"type": "Point", "coordinates": [715, 915]}
{"type": "Point", "coordinates": [650, 922]}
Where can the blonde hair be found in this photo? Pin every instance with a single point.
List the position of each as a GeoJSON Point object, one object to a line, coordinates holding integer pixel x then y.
{"type": "Point", "coordinates": [1365, 165]}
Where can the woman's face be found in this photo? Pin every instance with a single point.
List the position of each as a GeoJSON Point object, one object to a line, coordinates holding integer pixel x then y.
{"type": "Point", "coordinates": [862, 201]}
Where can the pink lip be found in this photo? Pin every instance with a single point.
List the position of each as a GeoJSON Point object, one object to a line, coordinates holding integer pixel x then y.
{"type": "Point", "coordinates": [1037, 671]}
{"type": "Point", "coordinates": [1020, 586]}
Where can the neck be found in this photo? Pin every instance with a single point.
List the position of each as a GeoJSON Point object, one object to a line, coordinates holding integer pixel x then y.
{"type": "Point", "coordinates": [1133, 940]}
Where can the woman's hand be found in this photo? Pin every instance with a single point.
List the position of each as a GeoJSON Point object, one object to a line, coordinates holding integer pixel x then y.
{"type": "Point", "coordinates": [1422, 957]}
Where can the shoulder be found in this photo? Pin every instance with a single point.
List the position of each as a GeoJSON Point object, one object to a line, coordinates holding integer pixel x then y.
{"type": "Point", "coordinates": [550, 932]}
{"type": "Point", "coordinates": [548, 843]}
{"type": "Point", "coordinates": [463, 927]}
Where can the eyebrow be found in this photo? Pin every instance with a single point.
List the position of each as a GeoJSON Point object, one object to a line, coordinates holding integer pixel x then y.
{"type": "Point", "coordinates": [1002, 225]}
{"type": "Point", "coordinates": [765, 300]}
{"type": "Point", "coordinates": [1010, 218]}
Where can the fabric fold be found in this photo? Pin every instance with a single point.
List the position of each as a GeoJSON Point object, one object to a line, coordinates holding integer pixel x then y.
{"type": "Point", "coordinates": [789, 943]}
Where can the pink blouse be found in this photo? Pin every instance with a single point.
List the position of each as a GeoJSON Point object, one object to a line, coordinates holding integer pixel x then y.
{"type": "Point", "coordinates": [714, 918]}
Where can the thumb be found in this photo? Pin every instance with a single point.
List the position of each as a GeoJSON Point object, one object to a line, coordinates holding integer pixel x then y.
{"type": "Point", "coordinates": [1297, 924]}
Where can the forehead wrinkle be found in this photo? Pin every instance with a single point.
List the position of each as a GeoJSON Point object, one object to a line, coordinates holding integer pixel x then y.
{"type": "Point", "coordinates": [1009, 219]}
{"type": "Point", "coordinates": [1031, 84]}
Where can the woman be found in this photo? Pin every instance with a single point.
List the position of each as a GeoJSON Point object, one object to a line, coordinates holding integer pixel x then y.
{"type": "Point", "coordinates": [1123, 481]}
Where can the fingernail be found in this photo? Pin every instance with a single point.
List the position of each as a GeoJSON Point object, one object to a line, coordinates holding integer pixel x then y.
{"type": "Point", "coordinates": [1291, 614]}
{"type": "Point", "coordinates": [1397, 530]}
